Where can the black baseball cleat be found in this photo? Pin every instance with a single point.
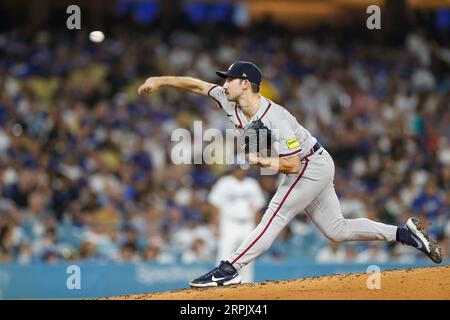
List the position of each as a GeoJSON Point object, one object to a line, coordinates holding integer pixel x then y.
{"type": "Point", "coordinates": [222, 275]}
{"type": "Point", "coordinates": [423, 241]}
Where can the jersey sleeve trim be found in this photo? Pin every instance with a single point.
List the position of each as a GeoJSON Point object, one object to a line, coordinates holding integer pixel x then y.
{"type": "Point", "coordinates": [209, 91]}
{"type": "Point", "coordinates": [217, 101]}
{"type": "Point", "coordinates": [290, 154]}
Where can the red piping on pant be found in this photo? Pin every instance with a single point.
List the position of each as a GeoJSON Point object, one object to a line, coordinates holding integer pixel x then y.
{"type": "Point", "coordinates": [278, 209]}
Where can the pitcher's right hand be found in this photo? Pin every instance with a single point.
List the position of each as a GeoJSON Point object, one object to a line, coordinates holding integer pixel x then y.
{"type": "Point", "coordinates": [150, 85]}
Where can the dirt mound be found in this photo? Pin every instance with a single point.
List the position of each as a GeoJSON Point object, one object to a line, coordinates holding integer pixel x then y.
{"type": "Point", "coordinates": [420, 283]}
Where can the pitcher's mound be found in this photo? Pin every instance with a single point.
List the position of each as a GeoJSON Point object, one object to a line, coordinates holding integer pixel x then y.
{"type": "Point", "coordinates": [420, 283]}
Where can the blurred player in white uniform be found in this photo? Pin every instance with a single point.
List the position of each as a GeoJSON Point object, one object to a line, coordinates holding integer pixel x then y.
{"type": "Point", "coordinates": [238, 199]}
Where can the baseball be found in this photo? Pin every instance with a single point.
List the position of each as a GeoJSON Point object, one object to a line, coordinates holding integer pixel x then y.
{"type": "Point", "coordinates": [96, 36]}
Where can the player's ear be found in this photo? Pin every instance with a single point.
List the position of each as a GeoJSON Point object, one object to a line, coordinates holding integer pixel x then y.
{"type": "Point", "coordinates": [246, 84]}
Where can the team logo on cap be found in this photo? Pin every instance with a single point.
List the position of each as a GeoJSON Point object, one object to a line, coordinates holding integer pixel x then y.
{"type": "Point", "coordinates": [244, 74]}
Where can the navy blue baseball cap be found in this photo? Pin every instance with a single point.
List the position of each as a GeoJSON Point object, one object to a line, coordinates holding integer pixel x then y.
{"type": "Point", "coordinates": [242, 70]}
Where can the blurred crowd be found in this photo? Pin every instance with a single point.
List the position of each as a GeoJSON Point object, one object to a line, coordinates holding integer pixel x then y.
{"type": "Point", "coordinates": [85, 163]}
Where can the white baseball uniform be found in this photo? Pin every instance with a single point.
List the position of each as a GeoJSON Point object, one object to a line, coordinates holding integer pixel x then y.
{"type": "Point", "coordinates": [310, 191]}
{"type": "Point", "coordinates": [237, 202]}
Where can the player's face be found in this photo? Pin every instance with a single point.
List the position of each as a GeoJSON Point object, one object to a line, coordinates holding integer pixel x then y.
{"type": "Point", "coordinates": [233, 88]}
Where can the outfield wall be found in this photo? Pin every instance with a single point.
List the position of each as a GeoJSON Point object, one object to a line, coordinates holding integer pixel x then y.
{"type": "Point", "coordinates": [61, 281]}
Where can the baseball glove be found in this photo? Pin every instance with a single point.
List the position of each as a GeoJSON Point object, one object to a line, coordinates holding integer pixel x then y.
{"type": "Point", "coordinates": [258, 138]}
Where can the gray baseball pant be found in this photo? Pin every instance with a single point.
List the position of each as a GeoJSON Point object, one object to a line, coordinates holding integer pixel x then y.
{"type": "Point", "coordinates": [311, 191]}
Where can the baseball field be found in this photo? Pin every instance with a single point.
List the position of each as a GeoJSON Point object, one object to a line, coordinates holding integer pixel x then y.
{"type": "Point", "coordinates": [421, 283]}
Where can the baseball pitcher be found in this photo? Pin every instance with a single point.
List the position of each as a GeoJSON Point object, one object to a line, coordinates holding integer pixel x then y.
{"type": "Point", "coordinates": [307, 173]}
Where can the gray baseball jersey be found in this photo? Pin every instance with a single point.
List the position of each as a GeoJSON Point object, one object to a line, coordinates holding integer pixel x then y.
{"type": "Point", "coordinates": [291, 139]}
{"type": "Point", "coordinates": [310, 191]}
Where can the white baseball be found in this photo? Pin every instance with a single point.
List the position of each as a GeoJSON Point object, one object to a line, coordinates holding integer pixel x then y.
{"type": "Point", "coordinates": [96, 36]}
